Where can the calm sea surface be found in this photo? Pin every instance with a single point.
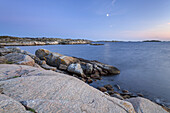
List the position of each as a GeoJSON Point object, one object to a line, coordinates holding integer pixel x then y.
{"type": "Point", "coordinates": [145, 67]}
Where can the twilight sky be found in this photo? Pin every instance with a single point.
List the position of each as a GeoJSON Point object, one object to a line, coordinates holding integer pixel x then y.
{"type": "Point", "coordinates": [88, 19]}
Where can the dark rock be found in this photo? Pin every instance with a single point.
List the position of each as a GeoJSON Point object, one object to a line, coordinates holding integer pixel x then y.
{"type": "Point", "coordinates": [139, 94]}
{"type": "Point", "coordinates": [109, 87]}
{"type": "Point", "coordinates": [125, 91]}
{"type": "Point", "coordinates": [103, 89]}
{"type": "Point", "coordinates": [111, 92]}
{"type": "Point", "coordinates": [84, 80]}
{"type": "Point", "coordinates": [117, 96]}
{"type": "Point", "coordinates": [126, 96]}
{"type": "Point", "coordinates": [47, 67]}
{"type": "Point", "coordinates": [89, 80]}
{"type": "Point", "coordinates": [94, 76]}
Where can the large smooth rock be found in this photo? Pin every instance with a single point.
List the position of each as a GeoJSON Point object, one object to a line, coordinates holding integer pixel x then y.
{"type": "Point", "coordinates": [142, 105]}
{"type": "Point", "coordinates": [19, 58]}
{"type": "Point", "coordinates": [75, 68]}
{"type": "Point", "coordinates": [13, 71]}
{"type": "Point", "coordinates": [54, 92]}
{"type": "Point", "coordinates": [9, 105]}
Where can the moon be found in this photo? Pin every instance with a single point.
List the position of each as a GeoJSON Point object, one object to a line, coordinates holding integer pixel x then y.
{"type": "Point", "coordinates": [107, 14]}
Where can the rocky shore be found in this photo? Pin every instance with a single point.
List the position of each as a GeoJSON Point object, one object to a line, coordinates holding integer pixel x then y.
{"type": "Point", "coordinates": [17, 41]}
{"type": "Point", "coordinates": [51, 82]}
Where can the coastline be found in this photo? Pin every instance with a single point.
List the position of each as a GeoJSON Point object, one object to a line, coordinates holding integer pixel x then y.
{"type": "Point", "coordinates": [17, 41]}
{"type": "Point", "coordinates": [108, 90]}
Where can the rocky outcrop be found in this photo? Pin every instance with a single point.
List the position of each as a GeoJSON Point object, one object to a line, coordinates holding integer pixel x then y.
{"type": "Point", "coordinates": [142, 105]}
{"type": "Point", "coordinates": [18, 58]}
{"type": "Point", "coordinates": [17, 41]}
{"type": "Point", "coordinates": [49, 91]}
{"type": "Point", "coordinates": [84, 68]}
{"type": "Point", "coordinates": [9, 105]}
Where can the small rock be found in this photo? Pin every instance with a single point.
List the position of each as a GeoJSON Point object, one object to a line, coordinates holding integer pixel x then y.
{"type": "Point", "coordinates": [111, 92]}
{"type": "Point", "coordinates": [126, 96]}
{"type": "Point", "coordinates": [117, 86]}
{"type": "Point", "coordinates": [84, 80]}
{"type": "Point", "coordinates": [96, 77]}
{"type": "Point", "coordinates": [139, 94]}
{"type": "Point", "coordinates": [63, 67]}
{"type": "Point", "coordinates": [106, 93]}
{"type": "Point", "coordinates": [125, 91]}
{"type": "Point", "coordinates": [117, 96]}
{"type": "Point", "coordinates": [103, 89]}
{"type": "Point", "coordinates": [109, 87]}
{"type": "Point", "coordinates": [89, 80]}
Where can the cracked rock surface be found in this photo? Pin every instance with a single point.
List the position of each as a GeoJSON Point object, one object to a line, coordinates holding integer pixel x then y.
{"type": "Point", "coordinates": [47, 91]}
{"type": "Point", "coordinates": [57, 92]}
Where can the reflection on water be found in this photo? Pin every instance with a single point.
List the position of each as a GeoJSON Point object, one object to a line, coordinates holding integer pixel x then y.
{"type": "Point", "coordinates": [145, 67]}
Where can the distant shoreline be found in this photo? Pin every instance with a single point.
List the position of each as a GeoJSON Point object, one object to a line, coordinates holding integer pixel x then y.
{"type": "Point", "coordinates": [27, 41]}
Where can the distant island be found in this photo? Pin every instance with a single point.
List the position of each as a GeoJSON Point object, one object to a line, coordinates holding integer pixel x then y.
{"type": "Point", "coordinates": [27, 41]}
{"type": "Point", "coordinates": [152, 41]}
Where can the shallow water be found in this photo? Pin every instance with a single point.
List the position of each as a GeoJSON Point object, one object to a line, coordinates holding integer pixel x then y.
{"type": "Point", "coordinates": [145, 67]}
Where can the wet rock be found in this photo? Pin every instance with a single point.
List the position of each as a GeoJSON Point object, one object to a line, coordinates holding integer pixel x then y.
{"type": "Point", "coordinates": [89, 80]}
{"type": "Point", "coordinates": [84, 80]}
{"type": "Point", "coordinates": [94, 76]}
{"type": "Point", "coordinates": [126, 96]}
{"type": "Point", "coordinates": [75, 68]}
{"type": "Point", "coordinates": [110, 92]}
{"type": "Point", "coordinates": [109, 87]}
{"type": "Point", "coordinates": [19, 58]}
{"type": "Point", "coordinates": [140, 94]}
{"type": "Point", "coordinates": [107, 68]}
{"type": "Point", "coordinates": [143, 105]}
{"type": "Point", "coordinates": [103, 89]}
{"type": "Point", "coordinates": [117, 86]}
{"type": "Point", "coordinates": [106, 93]}
{"type": "Point", "coordinates": [125, 91]}
{"type": "Point", "coordinates": [117, 96]}
{"type": "Point", "coordinates": [112, 70]}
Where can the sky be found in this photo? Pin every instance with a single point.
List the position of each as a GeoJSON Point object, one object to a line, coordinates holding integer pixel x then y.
{"type": "Point", "coordinates": [86, 19]}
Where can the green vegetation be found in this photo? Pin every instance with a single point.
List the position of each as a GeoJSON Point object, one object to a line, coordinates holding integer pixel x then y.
{"type": "Point", "coordinates": [30, 109]}
{"type": "Point", "coordinates": [15, 76]}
